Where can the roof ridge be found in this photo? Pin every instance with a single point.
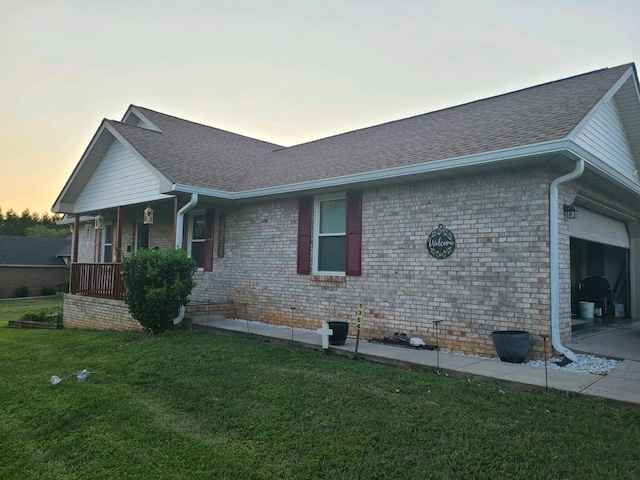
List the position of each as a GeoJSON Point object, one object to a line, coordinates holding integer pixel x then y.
{"type": "Point", "coordinates": [203, 125]}
{"type": "Point", "coordinates": [472, 102]}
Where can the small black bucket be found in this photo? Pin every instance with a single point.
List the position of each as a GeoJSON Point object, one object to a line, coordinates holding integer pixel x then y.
{"type": "Point", "coordinates": [511, 345]}
{"type": "Point", "coordinates": [340, 332]}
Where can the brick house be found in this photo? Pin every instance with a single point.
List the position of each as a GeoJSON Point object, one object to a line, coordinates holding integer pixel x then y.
{"type": "Point", "coordinates": [460, 215]}
{"type": "Point", "coordinates": [34, 263]}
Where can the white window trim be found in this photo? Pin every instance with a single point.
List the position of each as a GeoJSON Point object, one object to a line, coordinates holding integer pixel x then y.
{"type": "Point", "coordinates": [316, 231]}
{"type": "Point", "coordinates": [103, 242]}
{"type": "Point", "coordinates": [190, 239]}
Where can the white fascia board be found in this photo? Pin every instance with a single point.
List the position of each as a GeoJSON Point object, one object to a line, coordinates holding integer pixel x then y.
{"type": "Point", "coordinates": [575, 131]}
{"type": "Point", "coordinates": [72, 220]}
{"type": "Point", "coordinates": [165, 183]}
{"type": "Point", "coordinates": [605, 170]}
{"type": "Point", "coordinates": [64, 207]}
{"type": "Point", "coordinates": [487, 158]}
{"type": "Point", "coordinates": [150, 125]}
{"type": "Point", "coordinates": [207, 192]}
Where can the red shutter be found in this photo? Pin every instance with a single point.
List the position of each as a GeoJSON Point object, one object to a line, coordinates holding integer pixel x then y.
{"type": "Point", "coordinates": [353, 252]}
{"type": "Point", "coordinates": [185, 233]}
{"type": "Point", "coordinates": [208, 240]}
{"type": "Point", "coordinates": [304, 235]}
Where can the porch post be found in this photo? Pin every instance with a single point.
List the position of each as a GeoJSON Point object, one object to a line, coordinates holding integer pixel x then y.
{"type": "Point", "coordinates": [116, 257]}
{"type": "Point", "coordinates": [76, 235]}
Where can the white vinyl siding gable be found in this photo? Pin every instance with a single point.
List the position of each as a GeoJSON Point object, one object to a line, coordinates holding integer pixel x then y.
{"type": "Point", "coordinates": [120, 179]}
{"type": "Point", "coordinates": [604, 136]}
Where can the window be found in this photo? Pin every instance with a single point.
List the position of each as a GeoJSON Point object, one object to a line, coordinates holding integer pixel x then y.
{"type": "Point", "coordinates": [200, 245]}
{"type": "Point", "coordinates": [142, 236]}
{"type": "Point", "coordinates": [197, 229]}
{"type": "Point", "coordinates": [107, 243]}
{"type": "Point", "coordinates": [330, 234]}
{"type": "Point", "coordinates": [335, 234]}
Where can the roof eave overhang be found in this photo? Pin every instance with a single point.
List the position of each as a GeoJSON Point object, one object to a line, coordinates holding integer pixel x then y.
{"type": "Point", "coordinates": [606, 171]}
{"type": "Point", "coordinates": [486, 159]}
{"type": "Point", "coordinates": [63, 204]}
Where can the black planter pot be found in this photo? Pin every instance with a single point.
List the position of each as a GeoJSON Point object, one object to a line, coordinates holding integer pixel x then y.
{"type": "Point", "coordinates": [511, 345]}
{"type": "Point", "coordinates": [340, 331]}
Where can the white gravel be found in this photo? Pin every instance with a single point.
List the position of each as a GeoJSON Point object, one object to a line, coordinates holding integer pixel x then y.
{"type": "Point", "coordinates": [584, 363]}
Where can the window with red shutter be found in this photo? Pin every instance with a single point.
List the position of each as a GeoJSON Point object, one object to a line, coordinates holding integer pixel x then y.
{"type": "Point", "coordinates": [208, 240]}
{"type": "Point", "coordinates": [353, 252]}
{"type": "Point", "coordinates": [336, 234]}
{"type": "Point", "coordinates": [304, 235]}
{"type": "Point", "coordinates": [200, 239]}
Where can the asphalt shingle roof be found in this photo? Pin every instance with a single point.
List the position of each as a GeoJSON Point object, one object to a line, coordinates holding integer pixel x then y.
{"type": "Point", "coordinates": [29, 251]}
{"type": "Point", "coordinates": [193, 154]}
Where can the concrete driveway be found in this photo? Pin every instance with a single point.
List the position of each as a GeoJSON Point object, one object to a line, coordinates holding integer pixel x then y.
{"type": "Point", "coordinates": [621, 343]}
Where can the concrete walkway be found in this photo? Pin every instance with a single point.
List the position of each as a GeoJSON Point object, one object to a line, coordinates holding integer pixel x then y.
{"type": "Point", "coordinates": [621, 384]}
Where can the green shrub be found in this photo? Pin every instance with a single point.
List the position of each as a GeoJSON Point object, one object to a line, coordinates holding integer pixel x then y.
{"type": "Point", "coordinates": [45, 291]}
{"type": "Point", "coordinates": [157, 284]}
{"type": "Point", "coordinates": [47, 315]}
{"type": "Point", "coordinates": [21, 292]}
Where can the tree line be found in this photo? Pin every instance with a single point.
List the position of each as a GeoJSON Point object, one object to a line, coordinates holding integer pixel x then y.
{"type": "Point", "coordinates": [31, 224]}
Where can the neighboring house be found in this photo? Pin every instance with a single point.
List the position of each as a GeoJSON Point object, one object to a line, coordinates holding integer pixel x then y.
{"type": "Point", "coordinates": [456, 216]}
{"type": "Point", "coordinates": [33, 263]}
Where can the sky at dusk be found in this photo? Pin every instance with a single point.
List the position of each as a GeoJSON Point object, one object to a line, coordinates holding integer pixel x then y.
{"type": "Point", "coordinates": [281, 71]}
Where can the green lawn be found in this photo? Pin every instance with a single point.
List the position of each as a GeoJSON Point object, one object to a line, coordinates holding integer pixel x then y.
{"type": "Point", "coordinates": [12, 309]}
{"type": "Point", "coordinates": [196, 405]}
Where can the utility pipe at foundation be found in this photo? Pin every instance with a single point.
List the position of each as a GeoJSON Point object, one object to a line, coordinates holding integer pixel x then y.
{"type": "Point", "coordinates": [555, 259]}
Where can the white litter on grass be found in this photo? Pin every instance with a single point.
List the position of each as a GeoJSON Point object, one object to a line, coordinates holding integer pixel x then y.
{"type": "Point", "coordinates": [81, 375]}
{"type": "Point", "coordinates": [584, 364]}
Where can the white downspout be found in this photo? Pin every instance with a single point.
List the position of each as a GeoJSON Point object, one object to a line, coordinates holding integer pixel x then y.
{"type": "Point", "coordinates": [555, 259]}
{"type": "Point", "coordinates": [180, 222]}
{"type": "Point", "coordinates": [179, 233]}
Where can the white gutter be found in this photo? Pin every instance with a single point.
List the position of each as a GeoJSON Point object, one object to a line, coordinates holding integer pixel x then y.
{"type": "Point", "coordinates": [485, 158]}
{"type": "Point", "coordinates": [555, 259]}
{"type": "Point", "coordinates": [180, 222]}
{"type": "Point", "coordinates": [179, 230]}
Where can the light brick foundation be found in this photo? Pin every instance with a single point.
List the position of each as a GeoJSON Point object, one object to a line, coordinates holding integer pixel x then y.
{"type": "Point", "coordinates": [89, 313]}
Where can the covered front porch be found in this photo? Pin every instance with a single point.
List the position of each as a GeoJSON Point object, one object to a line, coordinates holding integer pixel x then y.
{"type": "Point", "coordinates": [101, 239]}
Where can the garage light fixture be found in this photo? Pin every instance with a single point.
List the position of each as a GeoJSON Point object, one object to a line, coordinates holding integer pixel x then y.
{"type": "Point", "coordinates": [570, 212]}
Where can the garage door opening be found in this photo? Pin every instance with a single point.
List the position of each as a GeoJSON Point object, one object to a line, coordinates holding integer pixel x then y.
{"type": "Point", "coordinates": [600, 288]}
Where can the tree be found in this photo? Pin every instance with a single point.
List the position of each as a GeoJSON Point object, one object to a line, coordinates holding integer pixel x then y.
{"type": "Point", "coordinates": [157, 284]}
{"type": "Point", "coordinates": [40, 231]}
{"type": "Point", "coordinates": [31, 224]}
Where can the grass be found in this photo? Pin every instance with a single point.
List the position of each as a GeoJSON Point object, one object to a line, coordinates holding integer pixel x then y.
{"type": "Point", "coordinates": [12, 309]}
{"type": "Point", "coordinates": [196, 405]}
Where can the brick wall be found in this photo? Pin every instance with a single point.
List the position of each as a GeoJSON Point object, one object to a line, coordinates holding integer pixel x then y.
{"type": "Point", "coordinates": [33, 278]}
{"type": "Point", "coordinates": [89, 313]}
{"type": "Point", "coordinates": [497, 278]}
